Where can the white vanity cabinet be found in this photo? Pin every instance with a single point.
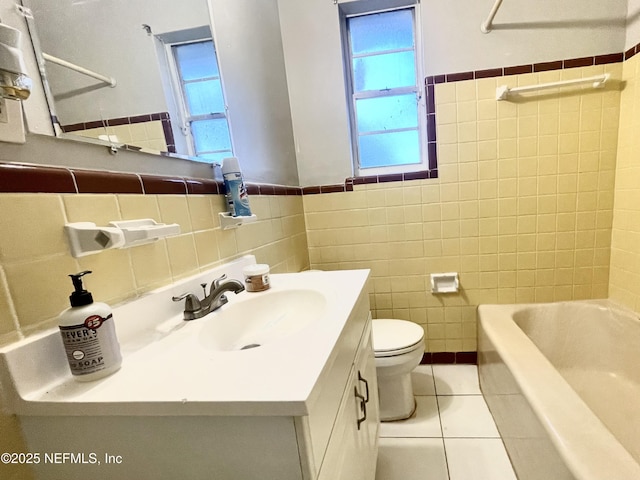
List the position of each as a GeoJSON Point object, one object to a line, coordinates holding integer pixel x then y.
{"type": "Point", "coordinates": [304, 408]}
{"type": "Point", "coordinates": [340, 434]}
{"type": "Point", "coordinates": [352, 449]}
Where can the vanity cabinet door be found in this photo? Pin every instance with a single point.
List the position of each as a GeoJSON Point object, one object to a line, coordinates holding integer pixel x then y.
{"type": "Point", "coordinates": [353, 448]}
{"type": "Point", "coordinates": [367, 434]}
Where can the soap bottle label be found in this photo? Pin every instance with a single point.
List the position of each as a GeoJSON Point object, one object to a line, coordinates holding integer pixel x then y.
{"type": "Point", "coordinates": [91, 346]}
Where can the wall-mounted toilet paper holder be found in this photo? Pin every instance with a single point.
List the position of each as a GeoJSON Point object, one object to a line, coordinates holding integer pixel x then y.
{"type": "Point", "coordinates": [445, 282]}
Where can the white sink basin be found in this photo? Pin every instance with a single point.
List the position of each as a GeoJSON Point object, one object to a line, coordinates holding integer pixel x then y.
{"type": "Point", "coordinates": [171, 367]}
{"type": "Point", "coordinates": [261, 318]}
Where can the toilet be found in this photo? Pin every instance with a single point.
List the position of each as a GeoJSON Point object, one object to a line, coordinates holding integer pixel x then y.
{"type": "Point", "coordinates": [398, 347]}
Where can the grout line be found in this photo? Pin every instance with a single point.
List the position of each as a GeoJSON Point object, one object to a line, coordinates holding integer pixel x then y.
{"type": "Point", "coordinates": [444, 447]}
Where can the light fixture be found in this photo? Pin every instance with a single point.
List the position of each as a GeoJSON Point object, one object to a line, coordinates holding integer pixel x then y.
{"type": "Point", "coordinates": [15, 84]}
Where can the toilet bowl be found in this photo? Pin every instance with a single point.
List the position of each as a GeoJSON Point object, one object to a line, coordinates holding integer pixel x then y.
{"type": "Point", "coordinates": [398, 346]}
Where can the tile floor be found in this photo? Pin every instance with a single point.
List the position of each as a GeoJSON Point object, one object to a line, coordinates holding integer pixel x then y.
{"type": "Point", "coordinates": [452, 435]}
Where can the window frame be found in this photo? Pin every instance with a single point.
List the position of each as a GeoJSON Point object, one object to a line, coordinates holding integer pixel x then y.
{"type": "Point", "coordinates": [180, 95]}
{"type": "Point", "coordinates": [418, 89]}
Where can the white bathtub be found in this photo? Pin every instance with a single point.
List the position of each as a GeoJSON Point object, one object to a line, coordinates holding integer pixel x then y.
{"type": "Point", "coordinates": [562, 381]}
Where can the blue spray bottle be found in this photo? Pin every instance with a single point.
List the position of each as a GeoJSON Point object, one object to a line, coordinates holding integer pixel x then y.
{"type": "Point", "coordinates": [235, 190]}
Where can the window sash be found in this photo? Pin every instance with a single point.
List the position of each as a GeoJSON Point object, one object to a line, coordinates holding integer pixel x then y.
{"type": "Point", "coordinates": [367, 94]}
{"type": "Point", "coordinates": [188, 119]}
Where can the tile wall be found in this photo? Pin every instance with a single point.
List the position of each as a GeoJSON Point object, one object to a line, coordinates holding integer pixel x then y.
{"type": "Point", "coordinates": [35, 260]}
{"type": "Point", "coordinates": [148, 136]}
{"type": "Point", "coordinates": [522, 207]}
{"type": "Point", "coordinates": [624, 284]}
{"type": "Point", "coordinates": [151, 132]}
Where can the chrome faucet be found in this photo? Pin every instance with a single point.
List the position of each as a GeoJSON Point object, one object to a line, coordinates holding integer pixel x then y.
{"type": "Point", "coordinates": [196, 308]}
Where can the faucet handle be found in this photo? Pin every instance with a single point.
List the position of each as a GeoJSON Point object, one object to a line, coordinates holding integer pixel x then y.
{"type": "Point", "coordinates": [218, 281]}
{"type": "Point", "coordinates": [191, 304]}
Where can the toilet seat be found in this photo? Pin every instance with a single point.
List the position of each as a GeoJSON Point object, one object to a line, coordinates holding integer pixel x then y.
{"type": "Point", "coordinates": [395, 337]}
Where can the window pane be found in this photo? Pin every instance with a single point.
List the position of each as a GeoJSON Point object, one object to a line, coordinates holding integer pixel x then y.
{"type": "Point", "coordinates": [215, 157]}
{"type": "Point", "coordinates": [380, 72]}
{"type": "Point", "coordinates": [197, 60]}
{"type": "Point", "coordinates": [389, 149]}
{"type": "Point", "coordinates": [387, 113]}
{"type": "Point", "coordinates": [211, 135]}
{"type": "Point", "coordinates": [204, 97]}
{"type": "Point", "coordinates": [381, 31]}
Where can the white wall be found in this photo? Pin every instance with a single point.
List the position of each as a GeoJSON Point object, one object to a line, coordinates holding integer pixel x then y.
{"type": "Point", "coordinates": [313, 58]}
{"type": "Point", "coordinates": [247, 35]}
{"type": "Point", "coordinates": [633, 24]}
{"type": "Point", "coordinates": [525, 32]}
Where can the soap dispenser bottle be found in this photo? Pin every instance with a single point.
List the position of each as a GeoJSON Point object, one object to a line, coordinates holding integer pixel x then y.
{"type": "Point", "coordinates": [89, 335]}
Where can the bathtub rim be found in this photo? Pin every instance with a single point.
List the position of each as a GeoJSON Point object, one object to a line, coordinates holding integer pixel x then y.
{"type": "Point", "coordinates": [566, 426]}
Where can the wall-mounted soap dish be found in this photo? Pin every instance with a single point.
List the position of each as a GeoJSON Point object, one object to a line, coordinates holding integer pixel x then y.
{"type": "Point", "coordinates": [228, 221]}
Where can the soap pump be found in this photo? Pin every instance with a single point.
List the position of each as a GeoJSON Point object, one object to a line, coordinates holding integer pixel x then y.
{"type": "Point", "coordinates": [89, 335]}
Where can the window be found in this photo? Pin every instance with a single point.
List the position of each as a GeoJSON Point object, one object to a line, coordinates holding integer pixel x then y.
{"type": "Point", "coordinates": [387, 120]}
{"type": "Point", "coordinates": [203, 102]}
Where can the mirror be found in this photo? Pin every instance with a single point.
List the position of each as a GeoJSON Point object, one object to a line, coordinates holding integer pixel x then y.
{"type": "Point", "coordinates": [122, 42]}
{"type": "Point", "coordinates": [129, 41]}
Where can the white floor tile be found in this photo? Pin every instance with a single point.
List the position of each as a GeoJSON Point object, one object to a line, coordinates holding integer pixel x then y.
{"type": "Point", "coordinates": [424, 422]}
{"type": "Point", "coordinates": [411, 459]}
{"type": "Point", "coordinates": [456, 379]}
{"type": "Point", "coordinates": [466, 416]}
{"type": "Point", "coordinates": [422, 379]}
{"type": "Point", "coordinates": [477, 459]}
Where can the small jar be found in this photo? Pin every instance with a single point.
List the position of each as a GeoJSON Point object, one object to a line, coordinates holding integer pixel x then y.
{"type": "Point", "coordinates": [256, 277]}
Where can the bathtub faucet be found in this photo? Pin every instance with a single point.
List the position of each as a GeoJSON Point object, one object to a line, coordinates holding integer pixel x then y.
{"type": "Point", "coordinates": [196, 308]}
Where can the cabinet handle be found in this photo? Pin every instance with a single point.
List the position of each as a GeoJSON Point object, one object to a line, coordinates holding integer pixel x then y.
{"type": "Point", "coordinates": [363, 406]}
{"type": "Point", "coordinates": [366, 385]}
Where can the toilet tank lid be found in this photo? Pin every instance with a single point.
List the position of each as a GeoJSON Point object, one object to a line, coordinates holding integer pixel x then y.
{"type": "Point", "coordinates": [389, 335]}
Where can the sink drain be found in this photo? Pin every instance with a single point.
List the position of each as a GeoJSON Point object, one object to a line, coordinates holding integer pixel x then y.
{"type": "Point", "coordinates": [251, 345]}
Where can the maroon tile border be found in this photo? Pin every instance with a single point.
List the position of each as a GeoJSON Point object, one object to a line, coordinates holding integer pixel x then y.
{"type": "Point", "coordinates": [16, 178]}
{"type": "Point", "coordinates": [351, 181]}
{"type": "Point", "coordinates": [534, 67]}
{"type": "Point", "coordinates": [115, 121]}
{"type": "Point", "coordinates": [467, 358]}
{"type": "Point", "coordinates": [107, 182]}
{"type": "Point", "coordinates": [197, 186]}
{"type": "Point", "coordinates": [22, 178]}
{"type": "Point", "coordinates": [163, 185]}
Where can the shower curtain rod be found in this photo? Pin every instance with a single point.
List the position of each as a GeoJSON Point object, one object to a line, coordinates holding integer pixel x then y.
{"type": "Point", "coordinates": [50, 58]}
{"type": "Point", "coordinates": [487, 26]}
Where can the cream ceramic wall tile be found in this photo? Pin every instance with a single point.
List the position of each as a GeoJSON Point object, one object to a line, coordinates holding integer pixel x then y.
{"type": "Point", "coordinates": [150, 264]}
{"type": "Point", "coordinates": [99, 209]}
{"type": "Point", "coordinates": [112, 279]}
{"type": "Point", "coordinates": [134, 207]}
{"type": "Point", "coordinates": [218, 205]}
{"type": "Point", "coordinates": [32, 226]}
{"type": "Point", "coordinates": [40, 288]}
{"type": "Point", "coordinates": [8, 318]}
{"type": "Point", "coordinates": [173, 209]}
{"type": "Point", "coordinates": [226, 242]}
{"type": "Point", "coordinates": [183, 260]}
{"type": "Point", "coordinates": [200, 212]}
